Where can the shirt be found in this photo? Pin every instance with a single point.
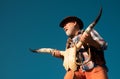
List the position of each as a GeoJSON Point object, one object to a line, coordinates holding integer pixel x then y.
{"type": "Point", "coordinates": [82, 52]}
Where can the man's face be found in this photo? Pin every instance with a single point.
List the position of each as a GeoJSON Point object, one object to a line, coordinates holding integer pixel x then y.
{"type": "Point", "coordinates": [69, 28]}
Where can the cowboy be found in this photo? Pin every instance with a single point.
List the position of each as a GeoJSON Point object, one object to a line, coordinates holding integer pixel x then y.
{"type": "Point", "coordinates": [93, 44]}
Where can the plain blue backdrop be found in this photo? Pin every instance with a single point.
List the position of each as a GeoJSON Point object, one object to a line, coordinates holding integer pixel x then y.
{"type": "Point", "coordinates": [33, 24]}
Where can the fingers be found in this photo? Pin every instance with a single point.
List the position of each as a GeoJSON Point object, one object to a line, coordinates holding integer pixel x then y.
{"type": "Point", "coordinates": [86, 38]}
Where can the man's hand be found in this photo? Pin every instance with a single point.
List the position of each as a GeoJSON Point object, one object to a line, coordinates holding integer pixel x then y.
{"type": "Point", "coordinates": [86, 38]}
{"type": "Point", "coordinates": [56, 53]}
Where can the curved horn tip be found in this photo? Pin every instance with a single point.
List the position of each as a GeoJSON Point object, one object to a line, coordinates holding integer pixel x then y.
{"type": "Point", "coordinates": [32, 50]}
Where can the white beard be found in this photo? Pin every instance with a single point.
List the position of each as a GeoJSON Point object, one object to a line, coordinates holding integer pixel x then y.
{"type": "Point", "coordinates": [70, 31]}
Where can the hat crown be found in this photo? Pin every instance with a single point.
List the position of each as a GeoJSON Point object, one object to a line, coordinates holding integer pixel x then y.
{"type": "Point", "coordinates": [70, 19]}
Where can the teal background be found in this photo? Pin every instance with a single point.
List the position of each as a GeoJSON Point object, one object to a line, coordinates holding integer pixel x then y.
{"type": "Point", "coordinates": [33, 24]}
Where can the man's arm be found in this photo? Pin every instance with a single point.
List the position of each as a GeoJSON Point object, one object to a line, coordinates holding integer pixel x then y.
{"type": "Point", "coordinates": [94, 39]}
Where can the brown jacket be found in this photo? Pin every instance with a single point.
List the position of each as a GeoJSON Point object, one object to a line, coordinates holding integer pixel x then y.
{"type": "Point", "coordinates": [97, 56]}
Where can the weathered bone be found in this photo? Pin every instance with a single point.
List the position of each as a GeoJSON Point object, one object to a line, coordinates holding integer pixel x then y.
{"type": "Point", "coordinates": [70, 58]}
{"type": "Point", "coordinates": [70, 53]}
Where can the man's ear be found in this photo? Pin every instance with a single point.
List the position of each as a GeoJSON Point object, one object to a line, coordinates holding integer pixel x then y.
{"type": "Point", "coordinates": [75, 23]}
